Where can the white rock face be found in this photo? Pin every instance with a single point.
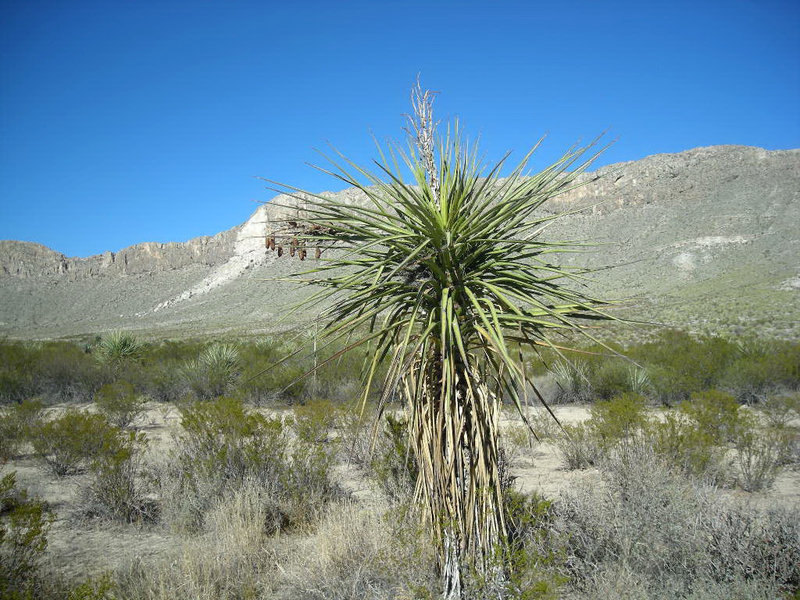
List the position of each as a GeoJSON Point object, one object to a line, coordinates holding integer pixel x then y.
{"type": "Point", "coordinates": [249, 250]}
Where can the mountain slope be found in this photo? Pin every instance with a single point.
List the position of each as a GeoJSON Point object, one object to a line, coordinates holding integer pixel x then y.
{"type": "Point", "coordinates": [705, 239]}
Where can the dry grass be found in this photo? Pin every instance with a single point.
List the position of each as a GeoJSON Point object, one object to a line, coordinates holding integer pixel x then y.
{"type": "Point", "coordinates": [358, 554]}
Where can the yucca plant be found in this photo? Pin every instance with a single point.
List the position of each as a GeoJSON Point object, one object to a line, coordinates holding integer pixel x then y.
{"type": "Point", "coordinates": [445, 278]}
{"type": "Point", "coordinates": [119, 346]}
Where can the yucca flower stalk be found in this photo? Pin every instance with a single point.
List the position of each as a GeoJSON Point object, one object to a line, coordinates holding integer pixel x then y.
{"type": "Point", "coordinates": [446, 277]}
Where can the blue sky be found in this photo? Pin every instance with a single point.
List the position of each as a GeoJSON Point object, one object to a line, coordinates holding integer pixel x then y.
{"type": "Point", "coordinates": [124, 122]}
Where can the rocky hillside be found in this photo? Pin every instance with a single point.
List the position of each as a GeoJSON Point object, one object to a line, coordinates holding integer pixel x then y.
{"type": "Point", "coordinates": [705, 239]}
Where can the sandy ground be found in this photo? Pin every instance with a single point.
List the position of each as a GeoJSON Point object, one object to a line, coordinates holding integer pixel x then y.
{"type": "Point", "coordinates": [80, 547]}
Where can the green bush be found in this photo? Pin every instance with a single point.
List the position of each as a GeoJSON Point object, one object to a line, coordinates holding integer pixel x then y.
{"type": "Point", "coordinates": [17, 426]}
{"type": "Point", "coordinates": [682, 444]}
{"type": "Point", "coordinates": [63, 372]}
{"type": "Point", "coordinates": [315, 419]}
{"type": "Point", "coordinates": [679, 364]}
{"type": "Point", "coordinates": [119, 402]}
{"type": "Point", "coordinates": [781, 409]}
{"type": "Point", "coordinates": [611, 377]}
{"type": "Point", "coordinates": [617, 419]}
{"type": "Point", "coordinates": [394, 463]}
{"type": "Point", "coordinates": [17, 362]}
{"type": "Point", "coordinates": [94, 588]}
{"type": "Point", "coordinates": [759, 454]}
{"type": "Point", "coordinates": [117, 489]}
{"type": "Point", "coordinates": [70, 442]}
{"type": "Point", "coordinates": [761, 367]}
{"type": "Point", "coordinates": [222, 445]}
{"type": "Point", "coordinates": [715, 413]}
{"type": "Point", "coordinates": [24, 524]}
{"type": "Point", "coordinates": [535, 553]}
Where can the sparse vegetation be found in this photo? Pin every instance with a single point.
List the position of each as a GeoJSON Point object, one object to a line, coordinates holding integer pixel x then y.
{"type": "Point", "coordinates": [119, 402]}
{"type": "Point", "coordinates": [248, 486]}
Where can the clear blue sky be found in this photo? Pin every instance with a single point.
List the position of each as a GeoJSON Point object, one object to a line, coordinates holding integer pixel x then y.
{"type": "Point", "coordinates": [124, 122]}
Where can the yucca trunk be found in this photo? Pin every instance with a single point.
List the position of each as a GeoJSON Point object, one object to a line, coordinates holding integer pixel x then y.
{"type": "Point", "coordinates": [454, 427]}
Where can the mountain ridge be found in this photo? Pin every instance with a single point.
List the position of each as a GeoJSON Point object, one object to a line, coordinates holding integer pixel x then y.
{"type": "Point", "coordinates": [692, 220]}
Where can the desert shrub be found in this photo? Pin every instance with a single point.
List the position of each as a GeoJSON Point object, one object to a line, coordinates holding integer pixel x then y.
{"type": "Point", "coordinates": [759, 455]}
{"type": "Point", "coordinates": [266, 366]}
{"type": "Point", "coordinates": [394, 464]}
{"type": "Point", "coordinates": [227, 562]}
{"type": "Point", "coordinates": [119, 402]}
{"type": "Point", "coordinates": [17, 368]}
{"type": "Point", "coordinates": [679, 364]}
{"type": "Point", "coordinates": [94, 588]}
{"type": "Point", "coordinates": [356, 425]}
{"type": "Point", "coordinates": [617, 419]}
{"type": "Point", "coordinates": [682, 444]}
{"type": "Point", "coordinates": [340, 379]}
{"type": "Point", "coordinates": [117, 489]}
{"type": "Point", "coordinates": [516, 441]}
{"type": "Point", "coordinates": [761, 367]}
{"type": "Point", "coordinates": [611, 377]}
{"type": "Point", "coordinates": [663, 536]}
{"type": "Point", "coordinates": [162, 382]}
{"type": "Point", "coordinates": [535, 553]}
{"type": "Point", "coordinates": [577, 446]}
{"type": "Point", "coordinates": [24, 524]}
{"type": "Point", "coordinates": [315, 419]}
{"type": "Point", "coordinates": [781, 409]}
{"type": "Point", "coordinates": [68, 443]}
{"type": "Point", "coordinates": [745, 543]}
{"type": "Point", "coordinates": [222, 444]}
{"type": "Point", "coordinates": [65, 373]}
{"type": "Point", "coordinates": [543, 425]}
{"type": "Point", "coordinates": [715, 413]}
{"type": "Point", "coordinates": [17, 426]}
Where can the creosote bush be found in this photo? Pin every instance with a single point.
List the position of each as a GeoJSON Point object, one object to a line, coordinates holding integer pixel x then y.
{"type": "Point", "coordinates": [716, 413]}
{"type": "Point", "coordinates": [617, 420]}
{"type": "Point", "coordinates": [119, 402]}
{"type": "Point", "coordinates": [17, 426]}
{"type": "Point", "coordinates": [118, 486]}
{"type": "Point", "coordinates": [67, 444]}
{"type": "Point", "coordinates": [687, 447]}
{"type": "Point", "coordinates": [222, 444]}
{"type": "Point", "coordinates": [24, 524]}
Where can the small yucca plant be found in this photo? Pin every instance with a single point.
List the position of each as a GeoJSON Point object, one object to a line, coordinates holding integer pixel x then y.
{"type": "Point", "coordinates": [445, 278]}
{"type": "Point", "coordinates": [119, 346]}
{"type": "Point", "coordinates": [214, 372]}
